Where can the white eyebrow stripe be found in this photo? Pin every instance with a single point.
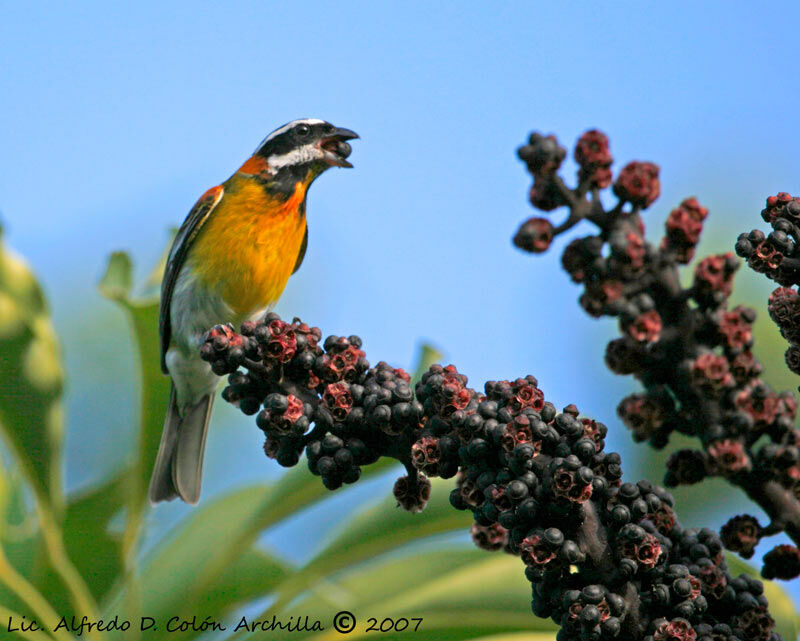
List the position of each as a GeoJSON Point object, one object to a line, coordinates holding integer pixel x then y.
{"type": "Point", "coordinates": [287, 127]}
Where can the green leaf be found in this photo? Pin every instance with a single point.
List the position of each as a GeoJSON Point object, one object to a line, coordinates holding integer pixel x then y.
{"type": "Point", "coordinates": [92, 546]}
{"type": "Point", "coordinates": [198, 555]}
{"type": "Point", "coordinates": [386, 526]}
{"type": "Point", "coordinates": [170, 575]}
{"type": "Point", "coordinates": [444, 626]}
{"type": "Point", "coordinates": [781, 606]}
{"type": "Point", "coordinates": [438, 586]}
{"type": "Point", "coordinates": [117, 281]}
{"type": "Point", "coordinates": [7, 502]}
{"type": "Point", "coordinates": [153, 398]}
{"type": "Point", "coordinates": [15, 541]}
{"type": "Point", "coordinates": [19, 282]}
{"type": "Point", "coordinates": [166, 586]}
{"type": "Point", "coordinates": [253, 510]}
{"type": "Point", "coordinates": [427, 356]}
{"type": "Point", "coordinates": [371, 533]}
{"type": "Point", "coordinates": [30, 635]}
{"type": "Point", "coordinates": [496, 582]}
{"type": "Point", "coordinates": [23, 545]}
{"type": "Point", "coordinates": [142, 316]}
{"type": "Point", "coordinates": [385, 577]}
{"type": "Point", "coordinates": [249, 577]}
{"type": "Point", "coordinates": [31, 414]}
{"type": "Point", "coordinates": [438, 627]}
{"type": "Point", "coordinates": [523, 636]}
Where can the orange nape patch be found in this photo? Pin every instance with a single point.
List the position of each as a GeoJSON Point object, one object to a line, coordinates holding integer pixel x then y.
{"type": "Point", "coordinates": [254, 166]}
{"type": "Point", "coordinates": [249, 246]}
{"type": "Point", "coordinates": [211, 195]}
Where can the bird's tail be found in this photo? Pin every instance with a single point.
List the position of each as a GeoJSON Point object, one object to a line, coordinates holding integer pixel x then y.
{"type": "Point", "coordinates": [178, 469]}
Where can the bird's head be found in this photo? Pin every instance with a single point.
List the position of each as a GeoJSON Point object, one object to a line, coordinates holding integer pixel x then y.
{"type": "Point", "coordinates": [301, 150]}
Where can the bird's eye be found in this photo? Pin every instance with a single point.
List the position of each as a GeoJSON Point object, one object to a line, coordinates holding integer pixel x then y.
{"type": "Point", "coordinates": [303, 130]}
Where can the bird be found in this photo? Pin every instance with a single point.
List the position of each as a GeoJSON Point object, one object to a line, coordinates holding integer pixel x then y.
{"type": "Point", "coordinates": [229, 262]}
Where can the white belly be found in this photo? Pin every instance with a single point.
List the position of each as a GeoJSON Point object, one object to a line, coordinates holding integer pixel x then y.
{"type": "Point", "coordinates": [193, 311]}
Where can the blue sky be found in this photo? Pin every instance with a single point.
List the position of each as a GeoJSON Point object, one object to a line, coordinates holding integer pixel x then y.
{"type": "Point", "coordinates": [116, 118]}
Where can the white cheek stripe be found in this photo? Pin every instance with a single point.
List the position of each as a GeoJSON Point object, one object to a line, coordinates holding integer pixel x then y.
{"type": "Point", "coordinates": [298, 156]}
{"type": "Point", "coordinates": [287, 127]}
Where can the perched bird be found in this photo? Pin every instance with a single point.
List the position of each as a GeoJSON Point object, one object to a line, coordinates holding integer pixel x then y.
{"type": "Point", "coordinates": [229, 262]}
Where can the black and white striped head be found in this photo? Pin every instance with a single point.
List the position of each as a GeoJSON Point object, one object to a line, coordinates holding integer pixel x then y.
{"type": "Point", "coordinates": [307, 145]}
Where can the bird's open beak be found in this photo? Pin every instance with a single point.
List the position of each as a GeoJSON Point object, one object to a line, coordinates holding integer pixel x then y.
{"type": "Point", "coordinates": [335, 148]}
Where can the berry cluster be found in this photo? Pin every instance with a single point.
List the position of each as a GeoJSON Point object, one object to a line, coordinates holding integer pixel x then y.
{"type": "Point", "coordinates": [606, 559]}
{"type": "Point", "coordinates": [292, 382]}
{"type": "Point", "coordinates": [689, 349]}
{"type": "Point", "coordinates": [777, 256]}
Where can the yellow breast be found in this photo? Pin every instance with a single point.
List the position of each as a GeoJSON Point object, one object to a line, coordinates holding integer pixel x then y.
{"type": "Point", "coordinates": [247, 249]}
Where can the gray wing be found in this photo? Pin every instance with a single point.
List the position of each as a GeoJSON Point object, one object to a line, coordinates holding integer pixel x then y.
{"type": "Point", "coordinates": [177, 256]}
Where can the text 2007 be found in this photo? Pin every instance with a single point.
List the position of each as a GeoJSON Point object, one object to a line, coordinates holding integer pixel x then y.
{"type": "Point", "coordinates": [393, 625]}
